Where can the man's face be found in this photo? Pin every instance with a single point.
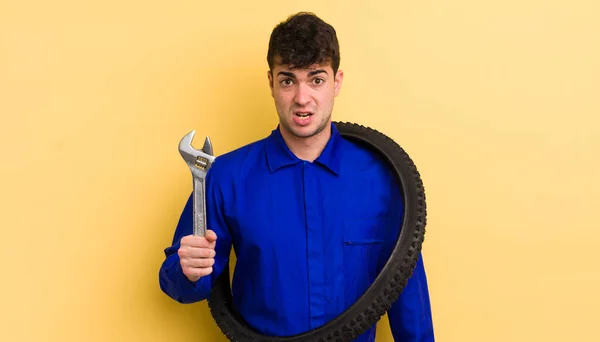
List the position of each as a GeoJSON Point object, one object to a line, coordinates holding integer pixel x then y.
{"type": "Point", "coordinates": [304, 97]}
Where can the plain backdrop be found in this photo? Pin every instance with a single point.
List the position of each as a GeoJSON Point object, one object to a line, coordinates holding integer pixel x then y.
{"type": "Point", "coordinates": [497, 102]}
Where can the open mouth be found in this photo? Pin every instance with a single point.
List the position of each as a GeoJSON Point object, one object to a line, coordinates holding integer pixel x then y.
{"type": "Point", "coordinates": [303, 118]}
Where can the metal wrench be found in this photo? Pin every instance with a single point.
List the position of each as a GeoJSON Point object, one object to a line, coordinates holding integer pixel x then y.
{"type": "Point", "coordinates": [199, 162]}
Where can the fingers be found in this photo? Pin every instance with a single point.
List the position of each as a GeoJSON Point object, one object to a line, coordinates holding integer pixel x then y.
{"type": "Point", "coordinates": [197, 262]}
{"type": "Point", "coordinates": [197, 255]}
{"type": "Point", "coordinates": [208, 241]}
{"type": "Point", "coordinates": [196, 252]}
{"type": "Point", "coordinates": [210, 236]}
{"type": "Point", "coordinates": [193, 274]}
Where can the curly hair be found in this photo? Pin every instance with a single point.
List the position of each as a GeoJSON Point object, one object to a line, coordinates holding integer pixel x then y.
{"type": "Point", "coordinates": [302, 40]}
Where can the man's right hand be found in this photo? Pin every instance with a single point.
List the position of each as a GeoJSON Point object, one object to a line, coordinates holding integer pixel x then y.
{"type": "Point", "coordinates": [197, 255]}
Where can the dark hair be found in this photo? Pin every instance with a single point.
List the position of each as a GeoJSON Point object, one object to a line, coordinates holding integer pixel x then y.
{"type": "Point", "coordinates": [302, 40]}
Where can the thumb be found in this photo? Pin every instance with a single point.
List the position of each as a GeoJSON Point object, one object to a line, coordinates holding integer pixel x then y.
{"type": "Point", "coordinates": [210, 236]}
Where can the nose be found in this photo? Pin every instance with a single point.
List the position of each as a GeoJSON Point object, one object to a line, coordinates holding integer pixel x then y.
{"type": "Point", "coordinates": [302, 95]}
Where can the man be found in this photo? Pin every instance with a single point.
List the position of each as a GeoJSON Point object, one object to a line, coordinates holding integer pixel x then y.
{"type": "Point", "coordinates": [312, 216]}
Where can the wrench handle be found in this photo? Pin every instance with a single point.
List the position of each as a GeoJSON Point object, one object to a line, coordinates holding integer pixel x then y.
{"type": "Point", "coordinates": [199, 207]}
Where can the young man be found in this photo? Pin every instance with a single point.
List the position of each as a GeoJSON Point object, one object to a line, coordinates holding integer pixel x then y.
{"type": "Point", "coordinates": [312, 217]}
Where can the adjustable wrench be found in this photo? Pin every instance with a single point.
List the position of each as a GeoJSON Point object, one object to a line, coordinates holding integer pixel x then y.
{"type": "Point", "coordinates": [199, 162]}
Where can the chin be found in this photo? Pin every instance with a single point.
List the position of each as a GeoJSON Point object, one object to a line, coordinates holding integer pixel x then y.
{"type": "Point", "coordinates": [307, 131]}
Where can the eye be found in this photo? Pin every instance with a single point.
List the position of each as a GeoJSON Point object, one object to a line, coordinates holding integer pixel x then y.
{"type": "Point", "coordinates": [318, 81]}
{"type": "Point", "coordinates": [286, 82]}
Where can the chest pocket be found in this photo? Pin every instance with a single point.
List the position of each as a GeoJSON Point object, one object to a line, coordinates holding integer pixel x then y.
{"type": "Point", "coordinates": [364, 240]}
{"type": "Point", "coordinates": [364, 231]}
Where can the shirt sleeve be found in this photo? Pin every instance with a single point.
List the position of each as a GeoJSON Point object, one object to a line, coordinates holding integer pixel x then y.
{"type": "Point", "coordinates": [410, 316]}
{"type": "Point", "coordinates": [171, 278]}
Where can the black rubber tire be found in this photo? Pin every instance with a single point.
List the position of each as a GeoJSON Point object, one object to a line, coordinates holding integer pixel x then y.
{"type": "Point", "coordinates": [388, 285]}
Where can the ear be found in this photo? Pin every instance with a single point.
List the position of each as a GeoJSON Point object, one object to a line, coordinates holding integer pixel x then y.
{"type": "Point", "coordinates": [270, 77]}
{"type": "Point", "coordinates": [339, 77]}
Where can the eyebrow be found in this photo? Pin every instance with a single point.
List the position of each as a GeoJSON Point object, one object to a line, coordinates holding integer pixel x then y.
{"type": "Point", "coordinates": [312, 73]}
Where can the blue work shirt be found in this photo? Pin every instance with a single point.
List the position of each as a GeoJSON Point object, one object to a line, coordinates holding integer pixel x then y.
{"type": "Point", "coordinates": [309, 237]}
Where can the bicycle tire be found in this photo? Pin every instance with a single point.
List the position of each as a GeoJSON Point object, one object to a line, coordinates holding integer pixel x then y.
{"type": "Point", "coordinates": [384, 291]}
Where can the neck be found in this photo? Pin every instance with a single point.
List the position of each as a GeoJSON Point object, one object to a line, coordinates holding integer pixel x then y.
{"type": "Point", "coordinates": [309, 148]}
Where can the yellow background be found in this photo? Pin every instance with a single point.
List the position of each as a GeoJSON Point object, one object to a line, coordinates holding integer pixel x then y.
{"type": "Point", "coordinates": [497, 102]}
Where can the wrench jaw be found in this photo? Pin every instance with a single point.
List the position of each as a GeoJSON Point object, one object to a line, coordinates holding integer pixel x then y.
{"type": "Point", "coordinates": [199, 161]}
{"type": "Point", "coordinates": [207, 148]}
{"type": "Point", "coordinates": [185, 147]}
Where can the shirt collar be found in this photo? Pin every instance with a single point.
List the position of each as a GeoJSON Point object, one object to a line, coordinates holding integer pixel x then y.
{"type": "Point", "coordinates": [279, 154]}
